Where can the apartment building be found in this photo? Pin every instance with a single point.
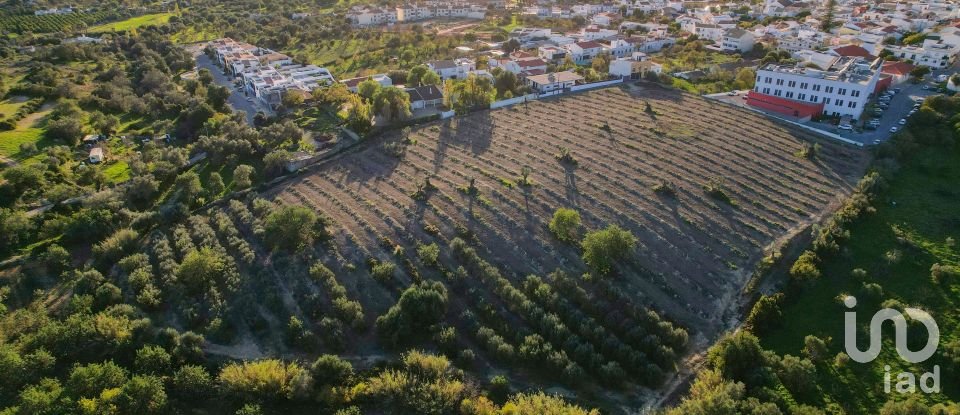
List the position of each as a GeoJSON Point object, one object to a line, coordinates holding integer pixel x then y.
{"type": "Point", "coordinates": [842, 88]}
{"type": "Point", "coordinates": [933, 53]}
{"type": "Point", "coordinates": [268, 84]}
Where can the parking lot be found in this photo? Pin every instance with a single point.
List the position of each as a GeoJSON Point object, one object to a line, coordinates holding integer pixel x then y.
{"type": "Point", "coordinates": [898, 107]}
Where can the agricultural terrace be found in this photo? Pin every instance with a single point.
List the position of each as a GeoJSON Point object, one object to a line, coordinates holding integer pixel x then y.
{"type": "Point", "coordinates": [465, 262]}
{"type": "Point", "coordinates": [703, 195]}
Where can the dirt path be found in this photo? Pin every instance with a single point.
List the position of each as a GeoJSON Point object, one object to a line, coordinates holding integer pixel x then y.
{"type": "Point", "coordinates": [456, 29]}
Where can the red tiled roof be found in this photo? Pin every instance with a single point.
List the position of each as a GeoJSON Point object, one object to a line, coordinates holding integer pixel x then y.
{"type": "Point", "coordinates": [853, 50]}
{"type": "Point", "coordinates": [533, 72]}
{"type": "Point", "coordinates": [531, 62]}
{"type": "Point", "coordinates": [589, 44]}
{"type": "Point", "coordinates": [352, 82]}
{"type": "Point", "coordinates": [897, 68]}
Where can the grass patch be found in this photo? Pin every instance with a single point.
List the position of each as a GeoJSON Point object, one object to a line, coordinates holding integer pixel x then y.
{"type": "Point", "coordinates": [916, 215]}
{"type": "Point", "coordinates": [117, 172]}
{"type": "Point", "coordinates": [29, 130]}
{"type": "Point", "coordinates": [155, 19]}
{"type": "Point", "coordinates": [9, 107]}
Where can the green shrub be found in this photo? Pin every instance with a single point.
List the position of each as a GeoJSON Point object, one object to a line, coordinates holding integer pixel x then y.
{"type": "Point", "coordinates": [603, 248]}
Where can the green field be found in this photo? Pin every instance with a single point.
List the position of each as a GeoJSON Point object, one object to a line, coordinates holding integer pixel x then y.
{"type": "Point", "coordinates": [155, 19]}
{"type": "Point", "coordinates": [8, 107]}
{"type": "Point", "coordinates": [117, 172]}
{"type": "Point", "coordinates": [29, 130]}
{"type": "Point", "coordinates": [896, 246]}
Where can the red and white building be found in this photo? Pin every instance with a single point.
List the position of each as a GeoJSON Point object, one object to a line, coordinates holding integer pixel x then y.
{"type": "Point", "coordinates": [842, 88]}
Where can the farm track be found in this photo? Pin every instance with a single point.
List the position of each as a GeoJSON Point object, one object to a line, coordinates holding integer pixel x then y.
{"type": "Point", "coordinates": [693, 251]}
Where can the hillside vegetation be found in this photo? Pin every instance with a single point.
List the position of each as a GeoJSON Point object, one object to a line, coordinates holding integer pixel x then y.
{"type": "Point", "coordinates": [891, 245]}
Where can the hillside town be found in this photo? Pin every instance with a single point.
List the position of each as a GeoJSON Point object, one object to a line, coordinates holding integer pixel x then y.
{"type": "Point", "coordinates": [831, 59]}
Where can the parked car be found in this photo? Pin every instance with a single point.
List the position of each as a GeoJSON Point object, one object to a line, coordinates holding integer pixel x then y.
{"type": "Point", "coordinates": [902, 121]}
{"type": "Point", "coordinates": [894, 129]}
{"type": "Point", "coordinates": [845, 127]}
{"type": "Point", "coordinates": [732, 93]}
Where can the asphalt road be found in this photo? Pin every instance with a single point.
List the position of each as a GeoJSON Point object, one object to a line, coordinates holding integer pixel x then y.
{"type": "Point", "coordinates": [237, 100]}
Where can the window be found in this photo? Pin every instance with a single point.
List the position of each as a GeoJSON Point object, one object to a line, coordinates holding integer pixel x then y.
{"type": "Point", "coordinates": [854, 93]}
{"type": "Point", "coordinates": [769, 79]}
{"type": "Point", "coordinates": [777, 92]}
{"type": "Point", "coordinates": [842, 91]}
{"type": "Point", "coordinates": [829, 89]}
{"type": "Point", "coordinates": [826, 101]}
{"type": "Point", "coordinates": [852, 104]}
{"type": "Point", "coordinates": [789, 94]}
{"type": "Point", "coordinates": [813, 98]}
{"type": "Point", "coordinates": [766, 91]}
{"type": "Point", "coordinates": [816, 87]}
{"type": "Point", "coordinates": [792, 84]}
{"type": "Point", "coordinates": [779, 82]}
{"type": "Point", "coordinates": [802, 97]}
{"type": "Point", "coordinates": [839, 103]}
{"type": "Point", "coordinates": [803, 85]}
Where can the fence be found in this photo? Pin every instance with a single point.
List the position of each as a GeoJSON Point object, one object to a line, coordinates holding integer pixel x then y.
{"type": "Point", "coordinates": [576, 88]}
{"type": "Point", "coordinates": [512, 101]}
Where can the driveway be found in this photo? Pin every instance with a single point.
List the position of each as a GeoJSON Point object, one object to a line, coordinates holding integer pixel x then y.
{"type": "Point", "coordinates": [238, 99]}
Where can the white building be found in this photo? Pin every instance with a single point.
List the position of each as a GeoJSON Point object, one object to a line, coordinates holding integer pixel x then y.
{"type": "Point", "coordinates": [556, 81]}
{"type": "Point", "coordinates": [524, 34]}
{"type": "Point", "coordinates": [596, 33]}
{"type": "Point", "coordinates": [710, 32]}
{"type": "Point", "coordinates": [737, 40]}
{"type": "Point", "coordinates": [453, 69]}
{"type": "Point", "coordinates": [353, 83]}
{"type": "Point", "coordinates": [843, 88]}
{"type": "Point", "coordinates": [552, 53]}
{"type": "Point", "coordinates": [268, 83]}
{"type": "Point", "coordinates": [369, 16]}
{"type": "Point", "coordinates": [96, 155]}
{"type": "Point", "coordinates": [634, 67]}
{"type": "Point", "coordinates": [584, 52]}
{"type": "Point", "coordinates": [933, 53]}
{"type": "Point", "coordinates": [799, 42]}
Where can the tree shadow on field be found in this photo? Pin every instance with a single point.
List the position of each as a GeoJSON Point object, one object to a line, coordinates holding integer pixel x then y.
{"type": "Point", "coordinates": [443, 140]}
{"type": "Point", "coordinates": [527, 215]}
{"type": "Point", "coordinates": [478, 133]}
{"type": "Point", "coordinates": [570, 185]}
{"type": "Point", "coordinates": [373, 163]}
{"type": "Point", "coordinates": [656, 92]}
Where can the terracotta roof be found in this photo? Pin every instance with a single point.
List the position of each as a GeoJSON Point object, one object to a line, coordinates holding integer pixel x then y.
{"type": "Point", "coordinates": [853, 50]}
{"type": "Point", "coordinates": [352, 82]}
{"type": "Point", "coordinates": [589, 44]}
{"type": "Point", "coordinates": [533, 72]}
{"type": "Point", "coordinates": [897, 68]}
{"type": "Point", "coordinates": [531, 62]}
